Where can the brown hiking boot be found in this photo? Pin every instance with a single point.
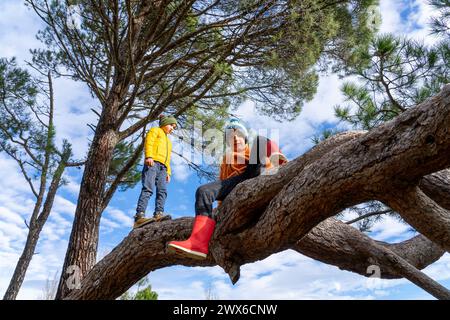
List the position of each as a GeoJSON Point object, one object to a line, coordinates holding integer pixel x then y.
{"type": "Point", "coordinates": [140, 220]}
{"type": "Point", "coordinates": [161, 216]}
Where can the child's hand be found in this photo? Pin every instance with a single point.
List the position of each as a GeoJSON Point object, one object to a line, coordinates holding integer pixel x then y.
{"type": "Point", "coordinates": [150, 162]}
{"type": "Point", "coordinates": [168, 178]}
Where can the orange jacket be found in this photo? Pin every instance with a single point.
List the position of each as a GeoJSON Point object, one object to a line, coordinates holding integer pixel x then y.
{"type": "Point", "coordinates": [234, 163]}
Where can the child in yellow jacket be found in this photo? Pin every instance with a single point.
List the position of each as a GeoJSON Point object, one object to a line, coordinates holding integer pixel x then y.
{"type": "Point", "coordinates": [156, 171]}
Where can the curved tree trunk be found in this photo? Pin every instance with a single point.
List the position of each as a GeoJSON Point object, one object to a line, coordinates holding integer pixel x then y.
{"type": "Point", "coordinates": [437, 187]}
{"type": "Point", "coordinates": [334, 243]}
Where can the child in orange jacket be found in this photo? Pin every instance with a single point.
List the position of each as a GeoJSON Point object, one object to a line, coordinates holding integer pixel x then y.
{"type": "Point", "coordinates": [263, 154]}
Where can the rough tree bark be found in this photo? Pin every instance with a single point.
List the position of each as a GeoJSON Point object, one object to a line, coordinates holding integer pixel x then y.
{"type": "Point", "coordinates": [362, 254]}
{"type": "Point", "coordinates": [83, 239]}
{"type": "Point", "coordinates": [293, 208]}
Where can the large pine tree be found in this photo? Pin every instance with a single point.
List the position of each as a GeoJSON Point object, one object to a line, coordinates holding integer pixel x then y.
{"type": "Point", "coordinates": [142, 58]}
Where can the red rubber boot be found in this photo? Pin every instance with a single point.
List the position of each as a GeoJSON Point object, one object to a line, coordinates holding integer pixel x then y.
{"type": "Point", "coordinates": [197, 245]}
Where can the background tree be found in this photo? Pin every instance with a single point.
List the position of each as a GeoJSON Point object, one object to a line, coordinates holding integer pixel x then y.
{"type": "Point", "coordinates": [210, 292]}
{"type": "Point", "coordinates": [27, 135]}
{"type": "Point", "coordinates": [395, 74]}
{"type": "Point", "coordinates": [141, 294]}
{"type": "Point", "coordinates": [142, 58]}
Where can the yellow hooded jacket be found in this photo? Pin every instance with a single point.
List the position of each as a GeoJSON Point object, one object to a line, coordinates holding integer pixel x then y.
{"type": "Point", "coordinates": [158, 147]}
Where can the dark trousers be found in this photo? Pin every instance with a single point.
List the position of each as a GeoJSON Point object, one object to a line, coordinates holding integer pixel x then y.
{"type": "Point", "coordinates": [219, 190]}
{"type": "Point", "coordinates": [152, 176]}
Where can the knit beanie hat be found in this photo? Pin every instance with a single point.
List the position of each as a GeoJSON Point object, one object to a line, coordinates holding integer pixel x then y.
{"type": "Point", "coordinates": [237, 124]}
{"type": "Point", "coordinates": [165, 120]}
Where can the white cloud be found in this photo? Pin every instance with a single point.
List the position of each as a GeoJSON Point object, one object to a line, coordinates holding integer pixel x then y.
{"type": "Point", "coordinates": [5, 242]}
{"type": "Point", "coordinates": [13, 231]}
{"type": "Point", "coordinates": [50, 231]}
{"type": "Point", "coordinates": [419, 19]}
{"type": "Point", "coordinates": [73, 105]}
{"type": "Point", "coordinates": [391, 21]}
{"type": "Point", "coordinates": [109, 224]}
{"type": "Point", "coordinates": [17, 30]}
{"type": "Point", "coordinates": [59, 220]}
{"type": "Point", "coordinates": [441, 270]}
{"type": "Point", "coordinates": [180, 169]}
{"type": "Point", "coordinates": [64, 205]}
{"type": "Point", "coordinates": [72, 186]}
{"type": "Point", "coordinates": [119, 216]}
{"type": "Point", "coordinates": [390, 229]}
{"type": "Point", "coordinates": [12, 184]}
{"type": "Point", "coordinates": [9, 216]}
{"type": "Point", "coordinates": [414, 24]}
{"type": "Point", "coordinates": [48, 259]}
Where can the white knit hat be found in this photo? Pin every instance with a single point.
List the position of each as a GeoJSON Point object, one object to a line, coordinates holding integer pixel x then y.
{"type": "Point", "coordinates": [237, 124]}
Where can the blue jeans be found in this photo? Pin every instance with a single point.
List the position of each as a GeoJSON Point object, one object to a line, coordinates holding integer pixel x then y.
{"type": "Point", "coordinates": [151, 176]}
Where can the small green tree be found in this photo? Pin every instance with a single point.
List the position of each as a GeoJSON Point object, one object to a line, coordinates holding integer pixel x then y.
{"type": "Point", "coordinates": [395, 75]}
{"type": "Point", "coordinates": [141, 294]}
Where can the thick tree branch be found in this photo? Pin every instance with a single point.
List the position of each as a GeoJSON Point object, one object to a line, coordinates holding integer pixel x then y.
{"type": "Point", "coordinates": [368, 215]}
{"type": "Point", "coordinates": [422, 213]}
{"type": "Point", "coordinates": [336, 243]}
{"type": "Point", "coordinates": [332, 240]}
{"type": "Point", "coordinates": [144, 250]}
{"type": "Point", "coordinates": [437, 187]}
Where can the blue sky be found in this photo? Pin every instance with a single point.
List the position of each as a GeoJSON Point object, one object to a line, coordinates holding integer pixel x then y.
{"type": "Point", "coordinates": [285, 275]}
